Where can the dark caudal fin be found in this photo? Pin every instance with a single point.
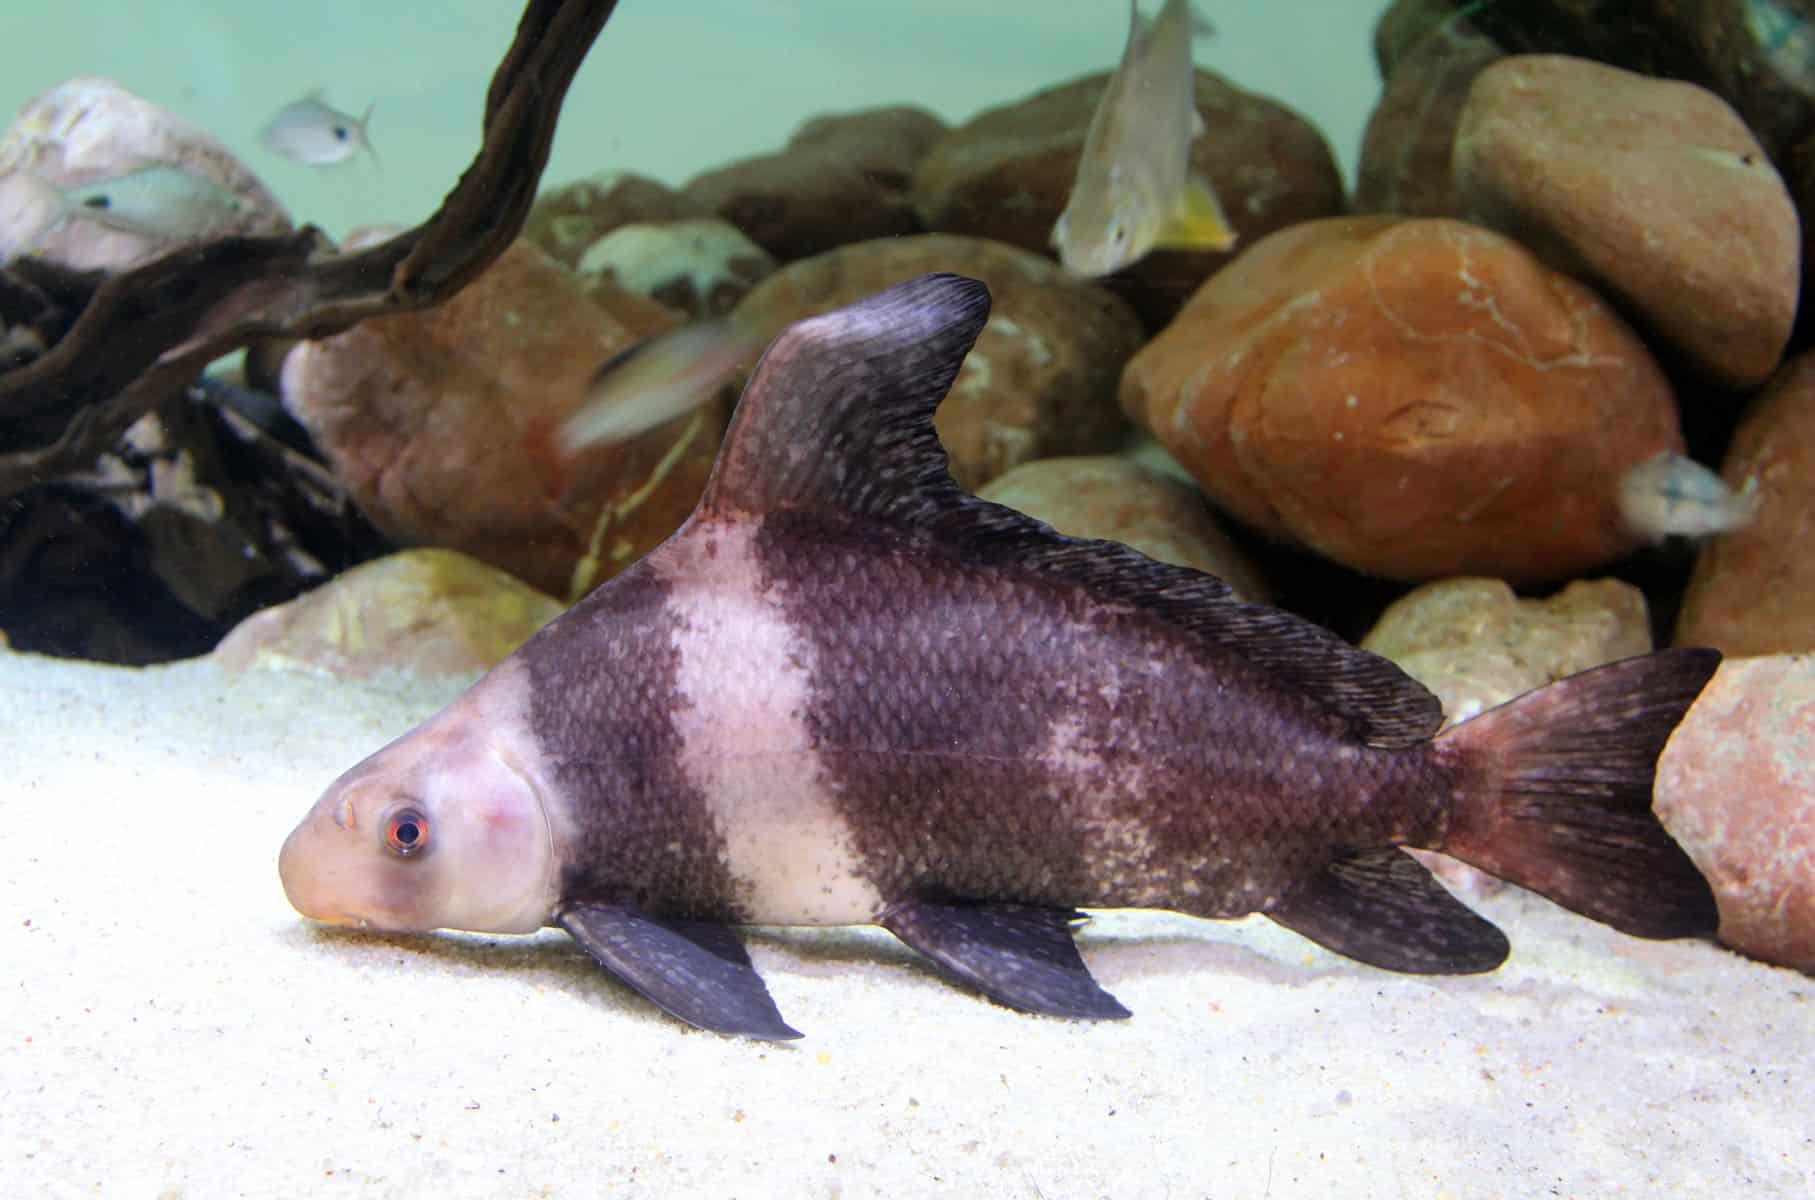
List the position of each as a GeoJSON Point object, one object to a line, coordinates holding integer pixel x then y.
{"type": "Point", "coordinates": [1558, 794]}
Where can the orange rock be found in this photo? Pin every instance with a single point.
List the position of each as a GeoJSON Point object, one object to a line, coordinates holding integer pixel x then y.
{"type": "Point", "coordinates": [1753, 590]}
{"type": "Point", "coordinates": [1736, 786]}
{"type": "Point", "coordinates": [440, 423]}
{"type": "Point", "coordinates": [1410, 398]}
{"type": "Point", "coordinates": [1041, 380]}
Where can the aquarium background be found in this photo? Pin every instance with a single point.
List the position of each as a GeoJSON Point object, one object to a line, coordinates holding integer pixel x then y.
{"type": "Point", "coordinates": [670, 90]}
{"type": "Point", "coordinates": [170, 1026]}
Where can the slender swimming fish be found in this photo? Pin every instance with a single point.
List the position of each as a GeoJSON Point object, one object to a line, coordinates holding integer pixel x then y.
{"type": "Point", "coordinates": [848, 692]}
{"type": "Point", "coordinates": [1134, 191]}
{"type": "Point", "coordinates": [658, 379]}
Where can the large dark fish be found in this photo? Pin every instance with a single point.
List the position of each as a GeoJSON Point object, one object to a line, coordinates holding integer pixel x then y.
{"type": "Point", "coordinates": [847, 692]}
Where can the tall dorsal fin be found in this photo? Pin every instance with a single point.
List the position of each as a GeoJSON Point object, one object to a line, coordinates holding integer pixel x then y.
{"type": "Point", "coordinates": [837, 419]}
{"type": "Point", "coordinates": [838, 413]}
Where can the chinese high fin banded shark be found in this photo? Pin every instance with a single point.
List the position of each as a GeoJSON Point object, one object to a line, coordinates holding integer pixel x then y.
{"type": "Point", "coordinates": [848, 692]}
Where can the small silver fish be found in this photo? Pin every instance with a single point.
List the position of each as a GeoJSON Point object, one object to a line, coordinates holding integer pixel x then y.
{"type": "Point", "coordinates": [159, 201]}
{"type": "Point", "coordinates": [1134, 191]}
{"type": "Point", "coordinates": [1673, 496]}
{"type": "Point", "coordinates": [658, 379]}
{"type": "Point", "coordinates": [313, 133]}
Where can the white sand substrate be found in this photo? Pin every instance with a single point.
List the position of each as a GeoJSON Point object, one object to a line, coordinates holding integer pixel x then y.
{"type": "Point", "coordinates": [170, 1028]}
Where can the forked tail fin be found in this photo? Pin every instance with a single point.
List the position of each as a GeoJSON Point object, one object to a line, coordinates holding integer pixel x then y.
{"type": "Point", "coordinates": [1557, 794]}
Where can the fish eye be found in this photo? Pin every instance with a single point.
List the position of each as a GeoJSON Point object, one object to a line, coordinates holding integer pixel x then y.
{"type": "Point", "coordinates": [341, 133]}
{"type": "Point", "coordinates": [1118, 233]}
{"type": "Point", "coordinates": [97, 202]}
{"type": "Point", "coordinates": [406, 832]}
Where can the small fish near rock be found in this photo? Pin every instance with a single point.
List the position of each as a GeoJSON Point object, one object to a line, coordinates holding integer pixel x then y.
{"type": "Point", "coordinates": [160, 202]}
{"type": "Point", "coordinates": [311, 132]}
{"type": "Point", "coordinates": [1134, 190]}
{"type": "Point", "coordinates": [847, 692]}
{"type": "Point", "coordinates": [1009, 172]}
{"type": "Point", "coordinates": [443, 425]}
{"type": "Point", "coordinates": [1675, 496]}
{"type": "Point", "coordinates": [95, 177]}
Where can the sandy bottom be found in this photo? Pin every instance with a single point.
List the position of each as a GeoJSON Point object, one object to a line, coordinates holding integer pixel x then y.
{"type": "Point", "coordinates": [171, 1028]}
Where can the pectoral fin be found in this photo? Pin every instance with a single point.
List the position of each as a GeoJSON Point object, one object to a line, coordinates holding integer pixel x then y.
{"type": "Point", "coordinates": [694, 970]}
{"type": "Point", "coordinates": [1382, 907]}
{"type": "Point", "coordinates": [1199, 223]}
{"type": "Point", "coordinates": [1016, 954]}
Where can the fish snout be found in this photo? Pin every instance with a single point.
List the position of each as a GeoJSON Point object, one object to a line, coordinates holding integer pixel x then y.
{"type": "Point", "coordinates": [311, 890]}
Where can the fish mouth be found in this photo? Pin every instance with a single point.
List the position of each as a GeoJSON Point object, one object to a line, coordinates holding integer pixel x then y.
{"type": "Point", "coordinates": [340, 920]}
{"type": "Point", "coordinates": [304, 889]}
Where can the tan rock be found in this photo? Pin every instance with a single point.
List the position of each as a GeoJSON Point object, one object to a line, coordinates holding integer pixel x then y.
{"type": "Point", "coordinates": [1005, 175]}
{"type": "Point", "coordinates": [419, 612]}
{"type": "Point", "coordinates": [842, 178]}
{"type": "Point", "coordinates": [1476, 644]}
{"type": "Point", "coordinates": [1110, 497]}
{"type": "Point", "coordinates": [441, 424]}
{"type": "Point", "coordinates": [566, 220]}
{"type": "Point", "coordinates": [1652, 188]}
{"type": "Point", "coordinates": [87, 130]}
{"type": "Point", "coordinates": [1736, 786]}
{"type": "Point", "coordinates": [1041, 380]}
{"type": "Point", "coordinates": [701, 267]}
{"type": "Point", "coordinates": [1753, 590]}
{"type": "Point", "coordinates": [1411, 398]}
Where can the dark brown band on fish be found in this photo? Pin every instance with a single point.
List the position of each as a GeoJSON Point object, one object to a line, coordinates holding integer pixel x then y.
{"type": "Point", "coordinates": [603, 705]}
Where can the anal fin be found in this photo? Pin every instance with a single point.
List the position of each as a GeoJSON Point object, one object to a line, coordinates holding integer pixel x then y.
{"type": "Point", "coordinates": [1019, 955]}
{"type": "Point", "coordinates": [695, 970]}
{"type": "Point", "coordinates": [1382, 907]}
{"type": "Point", "coordinates": [1199, 223]}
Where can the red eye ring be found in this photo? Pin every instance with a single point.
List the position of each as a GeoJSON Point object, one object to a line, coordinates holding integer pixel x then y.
{"type": "Point", "coordinates": [406, 832]}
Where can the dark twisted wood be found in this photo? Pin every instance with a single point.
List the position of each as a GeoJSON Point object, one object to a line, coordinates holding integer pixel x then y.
{"type": "Point", "coordinates": [142, 335]}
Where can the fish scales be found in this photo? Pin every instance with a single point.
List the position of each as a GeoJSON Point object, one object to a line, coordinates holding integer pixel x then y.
{"type": "Point", "coordinates": [1148, 773]}
{"type": "Point", "coordinates": [632, 823]}
{"type": "Point", "coordinates": [847, 692]}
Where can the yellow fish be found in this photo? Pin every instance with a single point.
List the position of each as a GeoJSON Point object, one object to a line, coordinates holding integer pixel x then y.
{"type": "Point", "coordinates": [1134, 191]}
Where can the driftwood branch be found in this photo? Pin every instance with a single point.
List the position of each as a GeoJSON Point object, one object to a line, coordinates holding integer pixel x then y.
{"type": "Point", "coordinates": [142, 335]}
